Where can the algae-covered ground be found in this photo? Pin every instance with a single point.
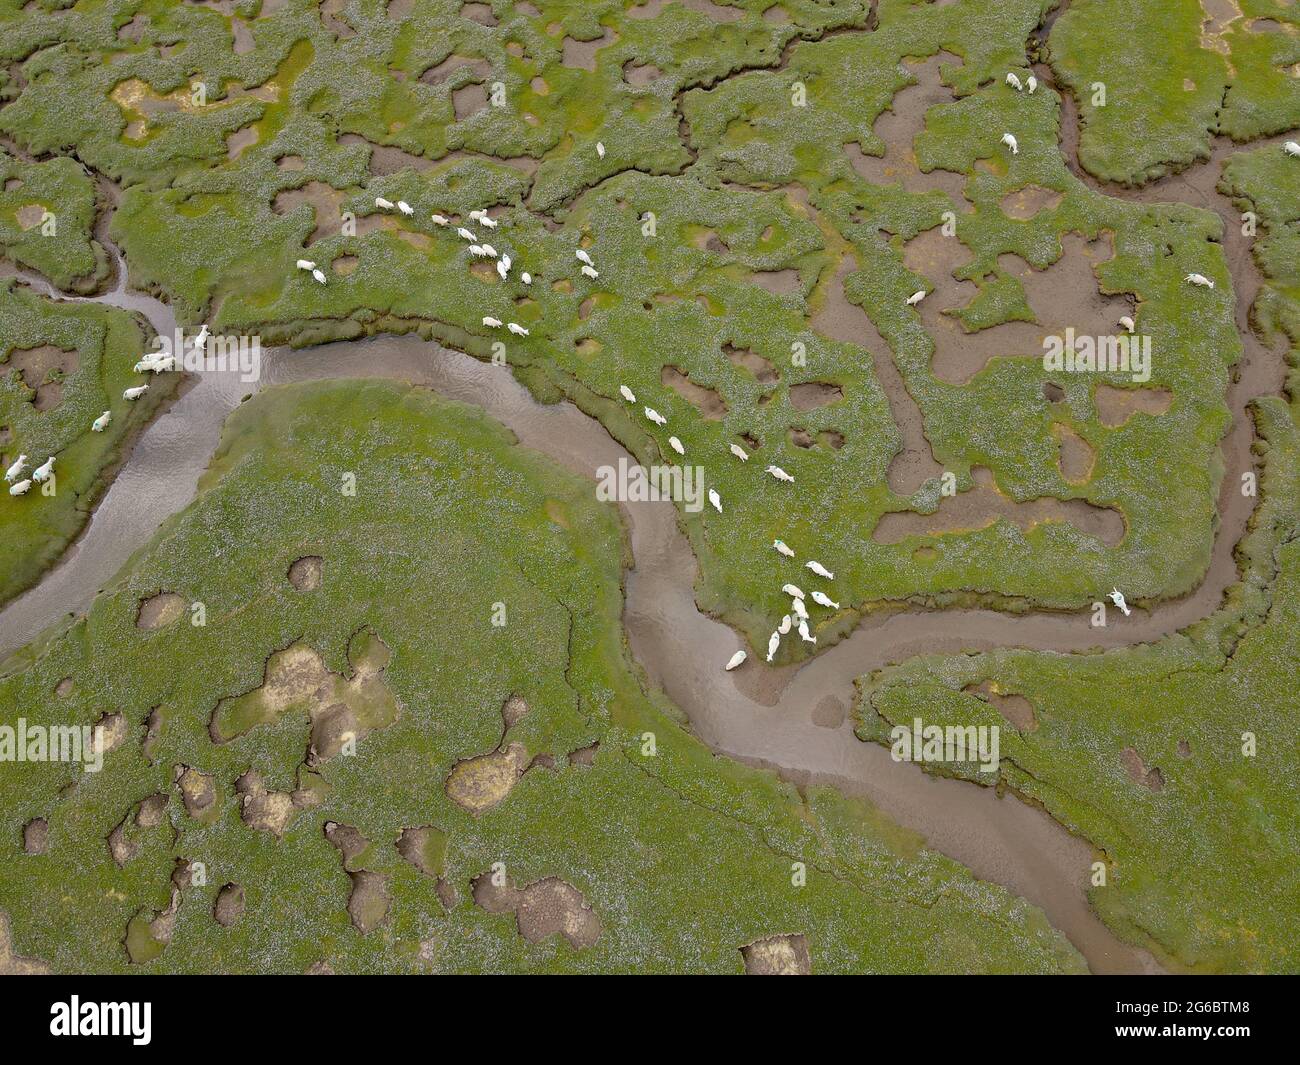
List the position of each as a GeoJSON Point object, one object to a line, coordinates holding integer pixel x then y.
{"type": "Point", "coordinates": [230, 776]}
{"type": "Point", "coordinates": [1176, 759]}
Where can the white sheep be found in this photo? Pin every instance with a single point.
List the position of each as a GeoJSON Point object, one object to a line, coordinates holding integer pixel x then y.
{"type": "Point", "coordinates": [490, 322]}
{"type": "Point", "coordinates": [676, 445]}
{"type": "Point", "coordinates": [600, 149]}
{"type": "Point", "coordinates": [1032, 83]}
{"type": "Point", "coordinates": [101, 423]}
{"type": "Point", "coordinates": [627, 393]}
{"type": "Point", "coordinates": [491, 223]}
{"type": "Point", "coordinates": [1127, 322]}
{"type": "Point", "coordinates": [405, 208]}
{"type": "Point", "coordinates": [583, 257]}
{"type": "Point", "coordinates": [491, 251]}
{"type": "Point", "coordinates": [465, 234]}
{"type": "Point", "coordinates": [202, 338]}
{"type": "Point", "coordinates": [42, 472]}
{"type": "Point", "coordinates": [17, 468]}
{"type": "Point", "coordinates": [21, 488]}
{"type": "Point", "coordinates": [792, 590]}
{"type": "Point", "coordinates": [526, 278]}
{"type": "Point", "coordinates": [1199, 279]}
{"type": "Point", "coordinates": [773, 642]}
{"type": "Point", "coordinates": [798, 609]}
{"type": "Point", "coordinates": [306, 264]}
{"type": "Point", "coordinates": [655, 416]}
{"type": "Point", "coordinates": [439, 220]}
{"type": "Point", "coordinates": [739, 452]}
{"type": "Point", "coordinates": [787, 623]}
{"type": "Point", "coordinates": [1291, 148]}
{"type": "Point", "coordinates": [1014, 81]}
{"type": "Point", "coordinates": [1011, 143]}
{"type": "Point", "coordinates": [819, 569]}
{"type": "Point", "coordinates": [783, 548]}
{"type": "Point", "coordinates": [319, 275]}
{"type": "Point", "coordinates": [804, 634]}
{"type": "Point", "coordinates": [588, 271]}
{"type": "Point", "coordinates": [503, 268]}
{"type": "Point", "coordinates": [715, 500]}
{"type": "Point", "coordinates": [136, 392]}
{"type": "Point", "coordinates": [916, 297]}
{"type": "Point", "coordinates": [735, 660]}
{"type": "Point", "coordinates": [517, 329]}
{"type": "Point", "coordinates": [1117, 597]}
{"type": "Point", "coordinates": [824, 600]}
{"type": "Point", "coordinates": [780, 474]}
{"type": "Point", "coordinates": [383, 204]}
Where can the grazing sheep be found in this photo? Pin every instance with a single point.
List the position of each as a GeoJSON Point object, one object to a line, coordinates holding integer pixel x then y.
{"type": "Point", "coordinates": [16, 468]}
{"type": "Point", "coordinates": [739, 452]}
{"type": "Point", "coordinates": [136, 392]}
{"type": "Point", "coordinates": [1011, 143]}
{"type": "Point", "coordinates": [780, 474]}
{"type": "Point", "coordinates": [715, 499]}
{"type": "Point", "coordinates": [735, 660]}
{"type": "Point", "coordinates": [783, 548]}
{"type": "Point", "coordinates": [824, 600]}
{"type": "Point", "coordinates": [820, 570]}
{"type": "Point", "coordinates": [655, 416]}
{"type": "Point", "coordinates": [627, 393]}
{"type": "Point", "coordinates": [101, 423]}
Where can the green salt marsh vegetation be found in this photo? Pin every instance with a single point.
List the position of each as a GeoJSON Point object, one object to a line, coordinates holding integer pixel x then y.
{"type": "Point", "coordinates": [1176, 73]}
{"type": "Point", "coordinates": [1173, 758]}
{"type": "Point", "coordinates": [232, 827]}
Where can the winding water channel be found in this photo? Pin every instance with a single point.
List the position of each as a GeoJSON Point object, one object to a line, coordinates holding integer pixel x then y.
{"type": "Point", "coordinates": [795, 720]}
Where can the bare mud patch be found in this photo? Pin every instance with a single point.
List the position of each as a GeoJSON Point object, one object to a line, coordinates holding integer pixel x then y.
{"type": "Point", "coordinates": [229, 905]}
{"type": "Point", "coordinates": [159, 611]}
{"type": "Point", "coordinates": [1115, 406]}
{"type": "Point", "coordinates": [547, 907]}
{"type": "Point", "coordinates": [36, 836]}
{"type": "Point", "coordinates": [1026, 203]}
{"type": "Point", "coordinates": [707, 401]}
{"type": "Point", "coordinates": [762, 369]}
{"type": "Point", "coordinates": [814, 394]}
{"type": "Point", "coordinates": [42, 370]}
{"type": "Point", "coordinates": [778, 282]}
{"type": "Point", "coordinates": [582, 54]}
{"type": "Point", "coordinates": [837, 318]}
{"type": "Point", "coordinates": [899, 126]}
{"type": "Point", "coordinates": [1064, 295]}
{"type": "Point", "coordinates": [1018, 710]}
{"type": "Point", "coordinates": [1138, 771]}
{"type": "Point", "coordinates": [477, 784]}
{"type": "Point", "coordinates": [983, 504]}
{"type": "Point", "coordinates": [11, 963]}
{"type": "Point", "coordinates": [325, 201]}
{"type": "Point", "coordinates": [198, 792]}
{"type": "Point", "coordinates": [304, 574]}
{"type": "Point", "coordinates": [263, 810]}
{"type": "Point", "coordinates": [1076, 458]}
{"type": "Point", "coordinates": [780, 955]}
